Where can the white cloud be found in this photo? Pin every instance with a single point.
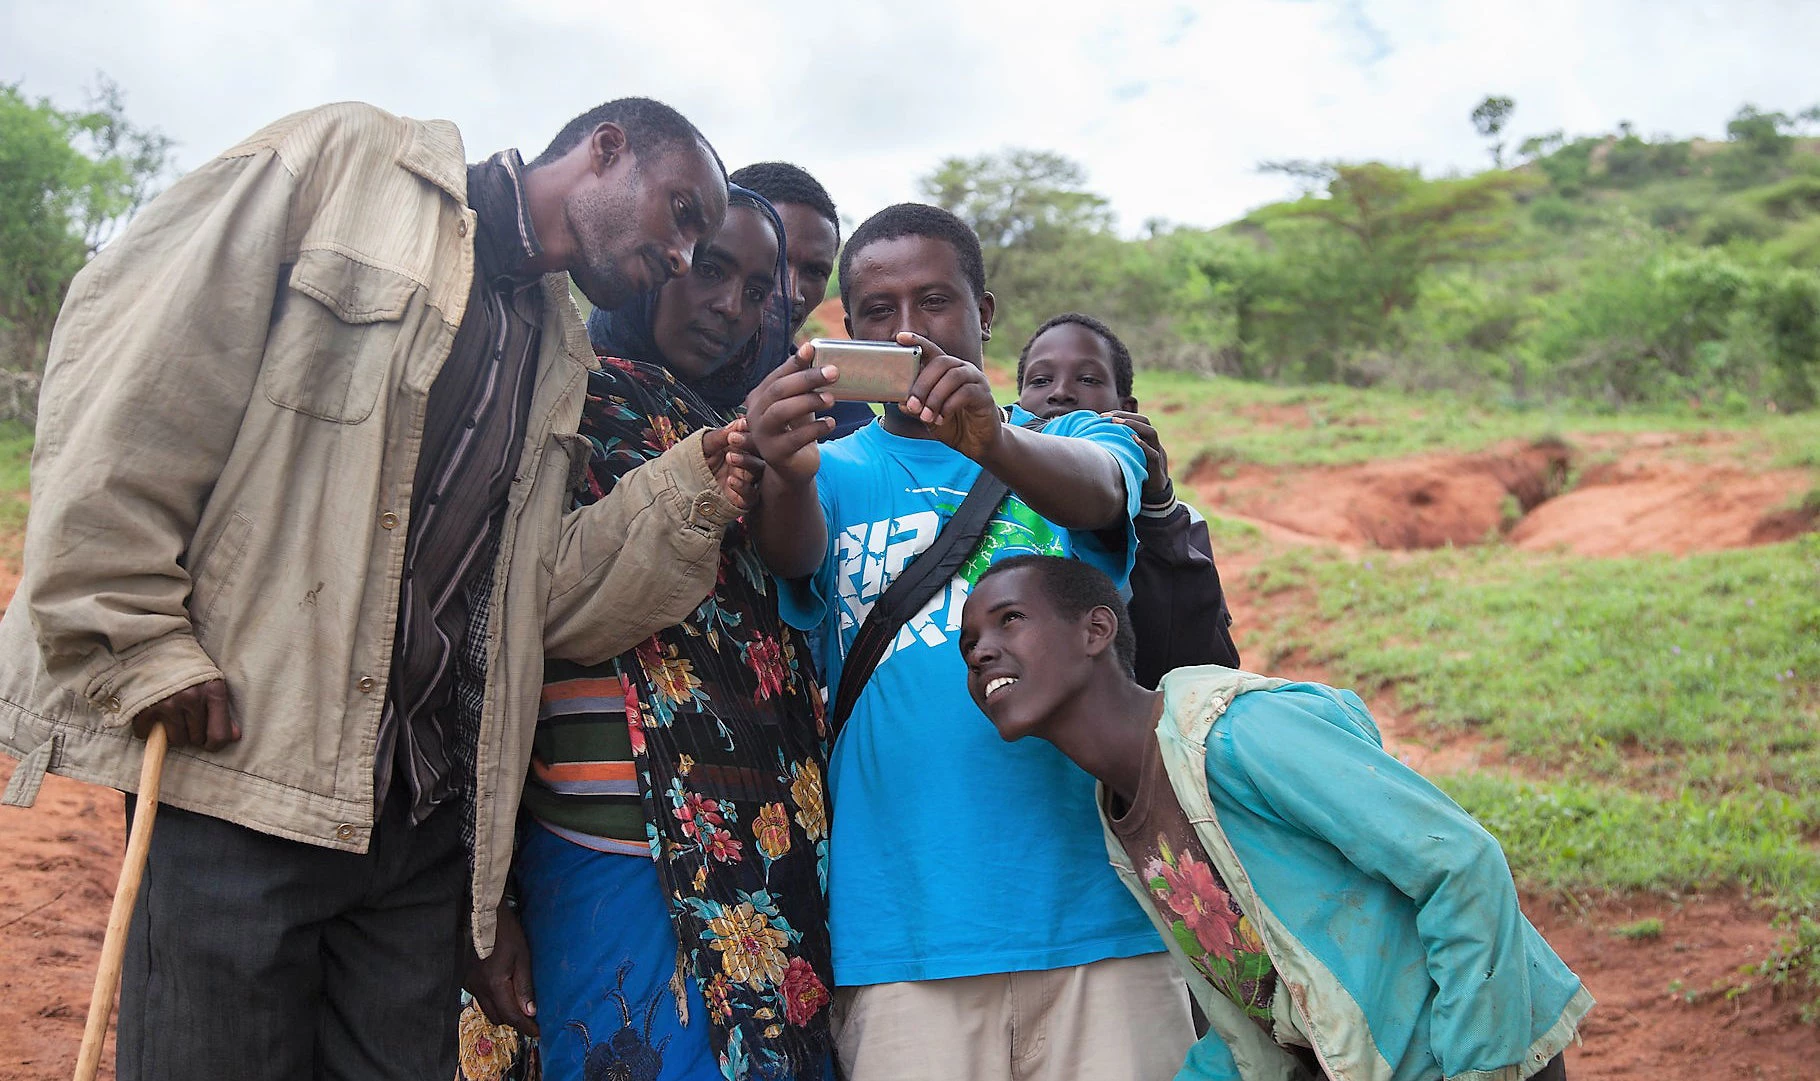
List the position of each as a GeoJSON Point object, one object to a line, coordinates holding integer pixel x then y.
{"type": "Point", "coordinates": [1169, 105]}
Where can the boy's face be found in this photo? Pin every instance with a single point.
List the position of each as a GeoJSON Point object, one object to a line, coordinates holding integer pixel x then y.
{"type": "Point", "coordinates": [811, 248]}
{"type": "Point", "coordinates": [915, 283]}
{"type": "Point", "coordinates": [1024, 659]}
{"type": "Point", "coordinates": [1070, 367]}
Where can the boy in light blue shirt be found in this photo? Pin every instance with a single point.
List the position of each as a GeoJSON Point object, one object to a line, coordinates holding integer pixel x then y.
{"type": "Point", "coordinates": [1335, 914]}
{"type": "Point", "coordinates": [978, 930]}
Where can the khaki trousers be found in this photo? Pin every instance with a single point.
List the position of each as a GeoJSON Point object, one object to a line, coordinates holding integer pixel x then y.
{"type": "Point", "coordinates": [1124, 1019]}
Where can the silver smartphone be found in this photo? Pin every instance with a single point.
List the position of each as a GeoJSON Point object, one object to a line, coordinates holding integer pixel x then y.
{"type": "Point", "coordinates": [869, 371]}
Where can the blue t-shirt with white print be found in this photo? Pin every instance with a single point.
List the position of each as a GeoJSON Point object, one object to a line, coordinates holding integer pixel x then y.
{"type": "Point", "coordinates": [953, 853]}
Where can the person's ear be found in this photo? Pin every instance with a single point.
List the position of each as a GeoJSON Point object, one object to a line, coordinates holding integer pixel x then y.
{"type": "Point", "coordinates": [988, 308]}
{"type": "Point", "coordinates": [607, 146]}
{"type": "Point", "coordinates": [1129, 404]}
{"type": "Point", "coordinates": [1101, 627]}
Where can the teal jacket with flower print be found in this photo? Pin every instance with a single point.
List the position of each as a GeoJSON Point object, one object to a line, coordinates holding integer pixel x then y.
{"type": "Point", "coordinates": [1388, 914]}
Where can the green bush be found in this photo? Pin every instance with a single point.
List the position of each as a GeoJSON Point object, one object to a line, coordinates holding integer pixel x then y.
{"type": "Point", "coordinates": [1787, 305]}
{"type": "Point", "coordinates": [1798, 247]}
{"type": "Point", "coordinates": [1554, 212]}
{"type": "Point", "coordinates": [1796, 197]}
{"type": "Point", "coordinates": [1731, 222]}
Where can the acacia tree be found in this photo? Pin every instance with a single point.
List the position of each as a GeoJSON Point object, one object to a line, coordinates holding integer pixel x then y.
{"type": "Point", "coordinates": [1398, 225]}
{"type": "Point", "coordinates": [1489, 120]}
{"type": "Point", "coordinates": [68, 181]}
{"type": "Point", "coordinates": [1027, 200]}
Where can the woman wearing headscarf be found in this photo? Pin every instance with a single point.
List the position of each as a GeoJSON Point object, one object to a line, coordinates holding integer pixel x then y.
{"type": "Point", "coordinates": [671, 871]}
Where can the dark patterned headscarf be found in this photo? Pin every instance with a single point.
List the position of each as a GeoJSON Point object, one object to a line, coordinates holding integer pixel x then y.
{"type": "Point", "coordinates": [628, 330]}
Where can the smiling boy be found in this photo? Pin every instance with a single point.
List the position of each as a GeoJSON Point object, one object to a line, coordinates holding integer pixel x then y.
{"type": "Point", "coordinates": [1336, 915]}
{"type": "Point", "coordinates": [1178, 607]}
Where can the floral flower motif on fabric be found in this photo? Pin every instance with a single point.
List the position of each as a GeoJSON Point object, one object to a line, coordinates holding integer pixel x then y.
{"type": "Point", "coordinates": [1209, 927]}
{"type": "Point", "coordinates": [811, 807]}
{"type": "Point", "coordinates": [804, 992]}
{"type": "Point", "coordinates": [773, 830]}
{"type": "Point", "coordinates": [489, 1052]}
{"type": "Point", "coordinates": [672, 676]}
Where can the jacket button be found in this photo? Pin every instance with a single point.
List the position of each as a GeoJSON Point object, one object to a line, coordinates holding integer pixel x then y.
{"type": "Point", "coordinates": [366, 683]}
{"type": "Point", "coordinates": [388, 520]}
{"type": "Point", "coordinates": [461, 227]}
{"type": "Point", "coordinates": [344, 832]}
{"type": "Point", "coordinates": [112, 705]}
{"type": "Point", "coordinates": [704, 507]}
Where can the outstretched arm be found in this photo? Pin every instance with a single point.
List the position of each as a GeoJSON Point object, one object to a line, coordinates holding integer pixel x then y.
{"type": "Point", "coordinates": [642, 557]}
{"type": "Point", "coordinates": [1071, 482]}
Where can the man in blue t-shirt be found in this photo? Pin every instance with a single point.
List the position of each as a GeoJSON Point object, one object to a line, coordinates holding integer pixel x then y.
{"type": "Point", "coordinates": [978, 929]}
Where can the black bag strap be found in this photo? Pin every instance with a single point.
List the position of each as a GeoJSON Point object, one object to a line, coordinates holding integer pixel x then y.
{"type": "Point", "coordinates": [915, 585]}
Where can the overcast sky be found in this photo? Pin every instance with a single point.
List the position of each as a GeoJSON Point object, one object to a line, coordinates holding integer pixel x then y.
{"type": "Point", "coordinates": [1170, 106]}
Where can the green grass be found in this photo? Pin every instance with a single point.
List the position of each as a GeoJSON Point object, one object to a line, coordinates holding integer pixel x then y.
{"type": "Point", "coordinates": [1643, 930]}
{"type": "Point", "coordinates": [1338, 425]}
{"type": "Point", "coordinates": [15, 483]}
{"type": "Point", "coordinates": [1658, 670]}
{"type": "Point", "coordinates": [1581, 837]}
{"type": "Point", "coordinates": [1793, 967]}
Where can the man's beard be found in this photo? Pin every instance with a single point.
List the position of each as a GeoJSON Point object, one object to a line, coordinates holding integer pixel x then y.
{"type": "Point", "coordinates": [604, 231]}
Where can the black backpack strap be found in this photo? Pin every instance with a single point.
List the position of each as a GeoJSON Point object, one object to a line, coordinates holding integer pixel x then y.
{"type": "Point", "coordinates": [925, 576]}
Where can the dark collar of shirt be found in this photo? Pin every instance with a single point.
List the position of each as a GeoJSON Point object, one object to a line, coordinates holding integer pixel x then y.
{"type": "Point", "coordinates": [505, 240]}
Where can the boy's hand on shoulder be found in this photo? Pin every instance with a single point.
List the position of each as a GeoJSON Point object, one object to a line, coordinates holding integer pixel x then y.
{"type": "Point", "coordinates": [780, 411]}
{"type": "Point", "coordinates": [1158, 488]}
{"type": "Point", "coordinates": [954, 399]}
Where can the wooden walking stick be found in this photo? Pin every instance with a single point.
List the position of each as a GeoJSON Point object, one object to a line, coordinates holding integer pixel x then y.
{"type": "Point", "coordinates": [132, 870]}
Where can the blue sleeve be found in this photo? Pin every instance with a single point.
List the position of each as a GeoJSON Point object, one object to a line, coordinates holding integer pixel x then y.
{"type": "Point", "coordinates": [804, 603]}
{"type": "Point", "coordinates": [1315, 761]}
{"type": "Point", "coordinates": [1209, 1059]}
{"type": "Point", "coordinates": [1104, 548]}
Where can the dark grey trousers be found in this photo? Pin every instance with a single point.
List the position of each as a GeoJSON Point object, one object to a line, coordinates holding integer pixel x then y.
{"type": "Point", "coordinates": [260, 959]}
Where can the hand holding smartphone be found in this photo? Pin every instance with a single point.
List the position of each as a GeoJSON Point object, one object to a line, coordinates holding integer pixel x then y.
{"type": "Point", "coordinates": [869, 371]}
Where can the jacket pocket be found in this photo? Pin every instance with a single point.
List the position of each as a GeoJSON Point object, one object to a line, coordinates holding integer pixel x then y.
{"type": "Point", "coordinates": [333, 334]}
{"type": "Point", "coordinates": [212, 575]}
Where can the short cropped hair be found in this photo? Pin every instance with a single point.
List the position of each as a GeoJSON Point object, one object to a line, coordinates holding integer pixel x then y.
{"type": "Point", "coordinates": [782, 182]}
{"type": "Point", "coordinates": [650, 126]}
{"type": "Point", "coordinates": [1121, 356]}
{"type": "Point", "coordinates": [1076, 588]}
{"type": "Point", "coordinates": [923, 220]}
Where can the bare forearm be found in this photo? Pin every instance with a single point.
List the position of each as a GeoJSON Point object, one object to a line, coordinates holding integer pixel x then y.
{"type": "Point", "coordinates": [788, 529]}
{"type": "Point", "coordinates": [1071, 482]}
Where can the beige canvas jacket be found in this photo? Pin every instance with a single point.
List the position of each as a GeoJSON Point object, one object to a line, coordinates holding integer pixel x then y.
{"type": "Point", "coordinates": [221, 487]}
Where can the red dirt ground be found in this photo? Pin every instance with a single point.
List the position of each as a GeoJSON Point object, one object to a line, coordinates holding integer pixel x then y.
{"type": "Point", "coordinates": [1645, 501]}
{"type": "Point", "coordinates": [59, 861]}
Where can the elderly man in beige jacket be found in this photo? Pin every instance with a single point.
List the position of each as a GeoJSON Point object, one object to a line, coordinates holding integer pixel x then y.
{"type": "Point", "coordinates": [301, 495]}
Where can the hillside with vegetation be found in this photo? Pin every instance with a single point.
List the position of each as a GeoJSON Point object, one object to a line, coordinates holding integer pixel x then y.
{"type": "Point", "coordinates": [1613, 269]}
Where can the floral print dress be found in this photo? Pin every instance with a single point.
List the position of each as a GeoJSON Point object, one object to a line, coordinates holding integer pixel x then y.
{"type": "Point", "coordinates": [729, 741]}
{"type": "Point", "coordinates": [729, 747]}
